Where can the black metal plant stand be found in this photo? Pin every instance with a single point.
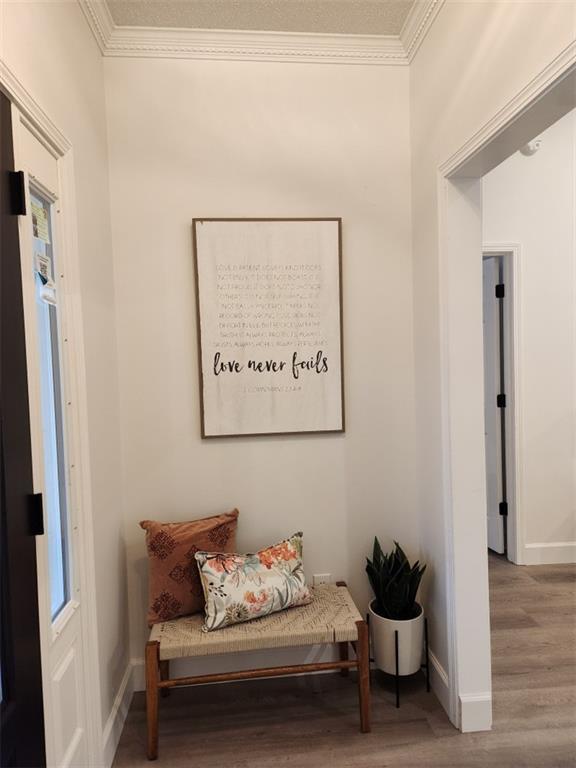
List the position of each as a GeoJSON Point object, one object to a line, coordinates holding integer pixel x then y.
{"type": "Point", "coordinates": [425, 666]}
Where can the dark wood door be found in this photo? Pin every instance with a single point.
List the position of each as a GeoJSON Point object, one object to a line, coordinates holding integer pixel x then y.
{"type": "Point", "coordinates": [21, 715]}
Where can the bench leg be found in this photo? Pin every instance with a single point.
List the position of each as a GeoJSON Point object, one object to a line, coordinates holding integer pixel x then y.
{"type": "Point", "coordinates": [152, 678]}
{"type": "Point", "coordinates": [164, 675]}
{"type": "Point", "coordinates": [343, 657]}
{"type": "Point", "coordinates": [363, 655]}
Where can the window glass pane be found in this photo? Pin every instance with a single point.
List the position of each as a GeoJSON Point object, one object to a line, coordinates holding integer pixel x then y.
{"type": "Point", "coordinates": [55, 498]}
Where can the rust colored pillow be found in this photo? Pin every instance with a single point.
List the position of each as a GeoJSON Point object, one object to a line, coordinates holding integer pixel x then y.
{"type": "Point", "coordinates": [174, 582]}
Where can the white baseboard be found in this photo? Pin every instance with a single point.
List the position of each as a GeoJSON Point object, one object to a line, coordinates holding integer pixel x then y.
{"type": "Point", "coordinates": [440, 685]}
{"type": "Point", "coordinates": [115, 723]}
{"type": "Point", "coordinates": [476, 712]}
{"type": "Point", "coordinates": [552, 553]}
{"type": "Point", "coordinates": [138, 675]}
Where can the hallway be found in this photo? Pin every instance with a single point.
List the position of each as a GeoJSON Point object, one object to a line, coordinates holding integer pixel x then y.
{"type": "Point", "coordinates": [533, 610]}
{"type": "Point", "coordinates": [312, 722]}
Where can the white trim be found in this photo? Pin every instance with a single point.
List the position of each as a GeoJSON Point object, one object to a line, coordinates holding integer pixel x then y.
{"type": "Point", "coordinates": [439, 681]}
{"type": "Point", "coordinates": [476, 712]}
{"type": "Point", "coordinates": [29, 107]}
{"type": "Point", "coordinates": [69, 757]}
{"type": "Point", "coordinates": [79, 456]}
{"type": "Point", "coordinates": [461, 229]}
{"type": "Point", "coordinates": [72, 350]}
{"type": "Point", "coordinates": [233, 45]}
{"type": "Point", "coordinates": [60, 624]}
{"type": "Point", "coordinates": [560, 67]}
{"type": "Point", "coordinates": [117, 717]}
{"type": "Point", "coordinates": [99, 20]}
{"type": "Point", "coordinates": [138, 675]}
{"type": "Point", "coordinates": [37, 186]}
{"type": "Point", "coordinates": [417, 25]}
{"type": "Point", "coordinates": [550, 553]}
{"type": "Point", "coordinates": [451, 702]}
{"type": "Point", "coordinates": [248, 45]}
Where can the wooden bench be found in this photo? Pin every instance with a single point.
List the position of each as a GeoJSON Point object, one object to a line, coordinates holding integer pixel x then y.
{"type": "Point", "coordinates": [331, 618]}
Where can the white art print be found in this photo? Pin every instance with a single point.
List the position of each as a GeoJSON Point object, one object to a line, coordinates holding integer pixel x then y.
{"type": "Point", "coordinates": [270, 318]}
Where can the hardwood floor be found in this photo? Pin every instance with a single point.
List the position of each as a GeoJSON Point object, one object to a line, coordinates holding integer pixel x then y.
{"type": "Point", "coordinates": [313, 722]}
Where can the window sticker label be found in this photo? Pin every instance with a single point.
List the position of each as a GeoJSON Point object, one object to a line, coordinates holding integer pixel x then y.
{"type": "Point", "coordinates": [40, 222]}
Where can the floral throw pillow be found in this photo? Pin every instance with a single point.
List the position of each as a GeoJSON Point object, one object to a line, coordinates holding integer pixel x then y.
{"type": "Point", "coordinates": [242, 587]}
{"type": "Point", "coordinates": [174, 583]}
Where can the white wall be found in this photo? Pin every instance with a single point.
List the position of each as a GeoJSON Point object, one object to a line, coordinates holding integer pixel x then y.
{"type": "Point", "coordinates": [475, 59]}
{"type": "Point", "coordinates": [239, 139]}
{"type": "Point", "coordinates": [50, 49]}
{"type": "Point", "coordinates": [530, 201]}
{"type": "Point", "coordinates": [192, 138]}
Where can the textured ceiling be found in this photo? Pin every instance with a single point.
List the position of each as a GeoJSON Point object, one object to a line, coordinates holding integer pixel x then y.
{"type": "Point", "coordinates": [359, 17]}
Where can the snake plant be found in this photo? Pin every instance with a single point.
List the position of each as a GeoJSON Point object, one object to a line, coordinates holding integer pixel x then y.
{"type": "Point", "coordinates": [395, 583]}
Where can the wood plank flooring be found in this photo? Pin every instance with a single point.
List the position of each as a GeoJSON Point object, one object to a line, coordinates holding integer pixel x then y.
{"type": "Point", "coordinates": [313, 722]}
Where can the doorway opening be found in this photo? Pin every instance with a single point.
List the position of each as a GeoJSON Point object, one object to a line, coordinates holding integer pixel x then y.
{"type": "Point", "coordinates": [547, 99]}
{"type": "Point", "coordinates": [500, 316]}
{"type": "Point", "coordinates": [529, 307]}
{"type": "Point", "coordinates": [495, 402]}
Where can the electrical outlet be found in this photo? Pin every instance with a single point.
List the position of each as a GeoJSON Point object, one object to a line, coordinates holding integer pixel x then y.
{"type": "Point", "coordinates": [321, 578]}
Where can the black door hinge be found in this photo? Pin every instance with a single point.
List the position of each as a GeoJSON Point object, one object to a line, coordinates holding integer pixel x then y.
{"type": "Point", "coordinates": [36, 514]}
{"type": "Point", "coordinates": [500, 291]}
{"type": "Point", "coordinates": [17, 193]}
{"type": "Point", "coordinates": [501, 401]}
{"type": "Point", "coordinates": [503, 508]}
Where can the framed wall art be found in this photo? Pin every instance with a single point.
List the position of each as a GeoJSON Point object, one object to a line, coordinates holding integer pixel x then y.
{"type": "Point", "coordinates": [269, 302]}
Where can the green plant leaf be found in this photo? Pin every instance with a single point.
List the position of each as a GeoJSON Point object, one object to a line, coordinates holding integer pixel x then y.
{"type": "Point", "coordinates": [394, 581]}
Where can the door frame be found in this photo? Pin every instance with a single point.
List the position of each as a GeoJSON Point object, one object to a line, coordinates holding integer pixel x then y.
{"type": "Point", "coordinates": [510, 253]}
{"type": "Point", "coordinates": [27, 109]}
{"type": "Point", "coordinates": [549, 96]}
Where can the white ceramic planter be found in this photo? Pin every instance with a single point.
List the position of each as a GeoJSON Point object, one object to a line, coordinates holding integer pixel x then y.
{"type": "Point", "coordinates": [410, 643]}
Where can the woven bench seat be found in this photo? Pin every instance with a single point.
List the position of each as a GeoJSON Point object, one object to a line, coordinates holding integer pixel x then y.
{"type": "Point", "coordinates": [330, 618]}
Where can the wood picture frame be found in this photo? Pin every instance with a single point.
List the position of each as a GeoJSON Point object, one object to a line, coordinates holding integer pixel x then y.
{"type": "Point", "coordinates": [269, 324]}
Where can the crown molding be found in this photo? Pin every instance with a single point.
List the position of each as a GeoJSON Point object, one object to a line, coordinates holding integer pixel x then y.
{"type": "Point", "coordinates": [255, 46]}
{"type": "Point", "coordinates": [31, 109]}
{"type": "Point", "coordinates": [99, 20]}
{"type": "Point", "coordinates": [561, 69]}
{"type": "Point", "coordinates": [417, 25]}
{"type": "Point", "coordinates": [244, 45]}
